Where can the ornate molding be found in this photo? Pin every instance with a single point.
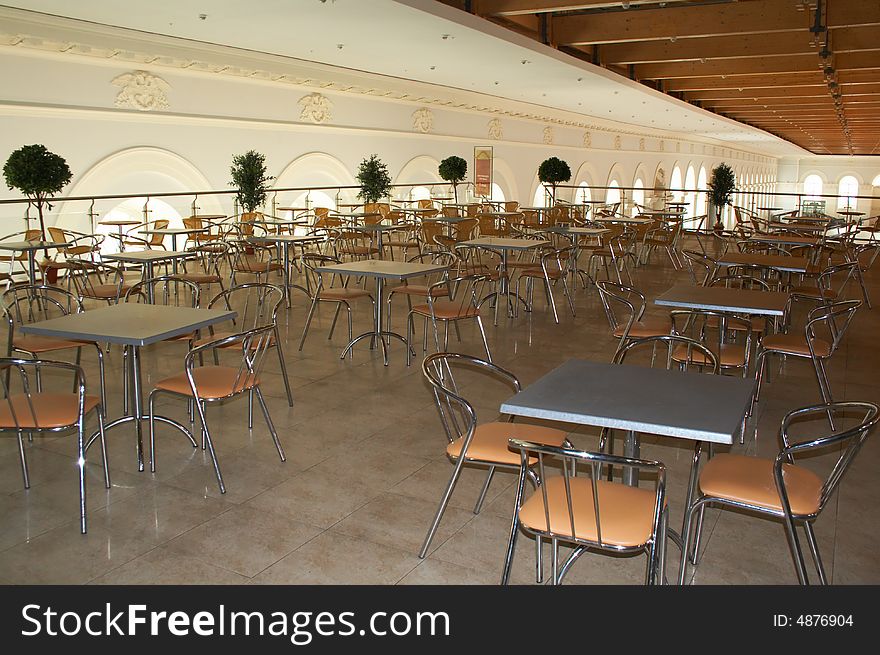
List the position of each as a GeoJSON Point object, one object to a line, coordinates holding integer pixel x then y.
{"type": "Point", "coordinates": [423, 120]}
{"type": "Point", "coordinates": [548, 135]}
{"type": "Point", "coordinates": [141, 90]}
{"type": "Point", "coordinates": [641, 144]}
{"type": "Point", "coordinates": [588, 139]}
{"type": "Point", "coordinates": [495, 130]}
{"type": "Point", "coordinates": [316, 108]}
{"type": "Point", "coordinates": [617, 142]}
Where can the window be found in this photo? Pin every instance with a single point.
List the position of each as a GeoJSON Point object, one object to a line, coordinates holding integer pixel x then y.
{"type": "Point", "coordinates": [846, 189]}
{"type": "Point", "coordinates": [583, 193]}
{"type": "Point", "coordinates": [497, 193]}
{"type": "Point", "coordinates": [312, 199]}
{"type": "Point", "coordinates": [876, 181]}
{"type": "Point", "coordinates": [420, 193]}
{"type": "Point", "coordinates": [702, 183]}
{"type": "Point", "coordinates": [612, 194]}
{"type": "Point", "coordinates": [542, 196]}
{"type": "Point", "coordinates": [675, 185]}
{"type": "Point", "coordinates": [638, 195]}
{"type": "Point", "coordinates": [813, 187]}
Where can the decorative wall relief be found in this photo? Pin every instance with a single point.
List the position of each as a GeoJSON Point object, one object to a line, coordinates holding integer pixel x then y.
{"type": "Point", "coordinates": [641, 144]}
{"type": "Point", "coordinates": [495, 130]}
{"type": "Point", "coordinates": [548, 135]}
{"type": "Point", "coordinates": [142, 91]}
{"type": "Point", "coordinates": [662, 145]}
{"type": "Point", "coordinates": [423, 120]}
{"type": "Point", "coordinates": [678, 146]}
{"type": "Point", "coordinates": [316, 108]}
{"type": "Point", "coordinates": [617, 142]}
{"type": "Point", "coordinates": [588, 140]}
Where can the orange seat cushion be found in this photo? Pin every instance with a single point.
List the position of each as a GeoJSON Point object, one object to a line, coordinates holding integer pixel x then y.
{"type": "Point", "coordinates": [37, 344]}
{"type": "Point", "coordinates": [420, 290]}
{"type": "Point", "coordinates": [50, 410]}
{"type": "Point", "coordinates": [342, 293]}
{"type": "Point", "coordinates": [750, 480]}
{"type": "Point", "coordinates": [212, 382]}
{"type": "Point", "coordinates": [490, 442]}
{"type": "Point", "coordinates": [649, 326]}
{"type": "Point", "coordinates": [626, 514]}
{"type": "Point", "coordinates": [106, 291]}
{"type": "Point", "coordinates": [796, 344]}
{"type": "Point", "coordinates": [201, 278]}
{"type": "Point", "coordinates": [447, 310]}
{"type": "Point", "coordinates": [731, 355]}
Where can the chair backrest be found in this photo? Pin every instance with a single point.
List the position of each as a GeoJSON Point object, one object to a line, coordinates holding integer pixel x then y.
{"type": "Point", "coordinates": [700, 265]}
{"type": "Point", "coordinates": [315, 280]}
{"type": "Point", "coordinates": [443, 258]}
{"type": "Point", "coordinates": [847, 441]}
{"type": "Point", "coordinates": [167, 290]}
{"type": "Point", "coordinates": [87, 276]}
{"type": "Point", "coordinates": [487, 225]}
{"type": "Point", "coordinates": [705, 326]}
{"type": "Point", "coordinates": [38, 302]}
{"type": "Point", "coordinates": [618, 297]}
{"type": "Point", "coordinates": [511, 206]}
{"type": "Point", "coordinates": [835, 278]}
{"type": "Point", "coordinates": [451, 212]}
{"type": "Point", "coordinates": [209, 256]}
{"type": "Point", "coordinates": [578, 516]}
{"type": "Point", "coordinates": [687, 347]}
{"type": "Point", "coordinates": [256, 304]}
{"type": "Point", "coordinates": [24, 378]}
{"type": "Point", "coordinates": [57, 234]}
{"type": "Point", "coordinates": [830, 322]}
{"type": "Point", "coordinates": [429, 230]}
{"type": "Point", "coordinates": [426, 203]}
{"type": "Point", "coordinates": [739, 281]}
{"type": "Point", "coordinates": [255, 344]}
{"type": "Point", "coordinates": [461, 295]}
{"type": "Point", "coordinates": [465, 230]}
{"type": "Point", "coordinates": [457, 414]}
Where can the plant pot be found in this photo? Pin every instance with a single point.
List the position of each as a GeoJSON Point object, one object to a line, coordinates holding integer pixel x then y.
{"type": "Point", "coordinates": [50, 274]}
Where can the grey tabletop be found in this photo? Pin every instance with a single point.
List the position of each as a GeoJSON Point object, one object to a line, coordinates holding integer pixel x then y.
{"type": "Point", "coordinates": [776, 262]}
{"type": "Point", "coordinates": [120, 222]}
{"type": "Point", "coordinates": [448, 219]}
{"type": "Point", "coordinates": [787, 239]}
{"type": "Point", "coordinates": [724, 299]}
{"type": "Point", "coordinates": [678, 404]}
{"type": "Point", "coordinates": [24, 246]}
{"type": "Point", "coordinates": [132, 324]}
{"type": "Point", "coordinates": [621, 219]}
{"type": "Point", "coordinates": [175, 230]}
{"type": "Point", "coordinates": [141, 256]}
{"type": "Point", "coordinates": [506, 244]}
{"type": "Point", "coordinates": [585, 231]}
{"type": "Point", "coordinates": [382, 268]}
{"type": "Point", "coordinates": [376, 227]}
{"type": "Point", "coordinates": [287, 238]}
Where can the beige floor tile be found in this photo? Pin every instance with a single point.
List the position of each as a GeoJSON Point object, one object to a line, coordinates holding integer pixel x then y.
{"type": "Point", "coordinates": [163, 566]}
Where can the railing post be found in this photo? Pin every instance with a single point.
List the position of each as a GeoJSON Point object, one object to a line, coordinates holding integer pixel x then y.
{"type": "Point", "coordinates": [147, 210]}
{"type": "Point", "coordinates": [194, 208]}
{"type": "Point", "coordinates": [274, 203]}
{"type": "Point", "coordinates": [92, 216]}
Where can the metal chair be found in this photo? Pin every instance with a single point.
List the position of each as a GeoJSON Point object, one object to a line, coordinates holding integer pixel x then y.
{"type": "Point", "coordinates": [461, 302]}
{"type": "Point", "coordinates": [577, 507]}
{"type": "Point", "coordinates": [24, 409]}
{"type": "Point", "coordinates": [469, 443]}
{"type": "Point", "coordinates": [102, 282]}
{"type": "Point", "coordinates": [168, 290]}
{"type": "Point", "coordinates": [341, 295]}
{"type": "Point", "coordinates": [257, 305]}
{"type": "Point", "coordinates": [825, 328]}
{"type": "Point", "coordinates": [780, 488]}
{"type": "Point", "coordinates": [31, 303]}
{"type": "Point", "coordinates": [700, 265]}
{"type": "Point", "coordinates": [712, 328]}
{"type": "Point", "coordinates": [554, 266]}
{"type": "Point", "coordinates": [204, 268]}
{"type": "Point", "coordinates": [206, 384]}
{"type": "Point", "coordinates": [251, 259]}
{"type": "Point", "coordinates": [634, 325]}
{"type": "Point", "coordinates": [421, 291]}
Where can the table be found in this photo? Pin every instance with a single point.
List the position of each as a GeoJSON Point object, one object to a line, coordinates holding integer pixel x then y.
{"type": "Point", "coordinates": [376, 229]}
{"type": "Point", "coordinates": [173, 232]}
{"type": "Point", "coordinates": [354, 216]}
{"type": "Point", "coordinates": [577, 233]}
{"type": "Point", "coordinates": [381, 270]}
{"type": "Point", "coordinates": [146, 259]}
{"type": "Point", "coordinates": [781, 263]}
{"type": "Point", "coordinates": [725, 299]}
{"type": "Point", "coordinates": [639, 399]}
{"type": "Point", "coordinates": [288, 240]}
{"type": "Point", "coordinates": [504, 246]}
{"type": "Point", "coordinates": [120, 224]}
{"type": "Point", "coordinates": [31, 248]}
{"type": "Point", "coordinates": [635, 220]}
{"type": "Point", "coordinates": [785, 239]}
{"type": "Point", "coordinates": [133, 325]}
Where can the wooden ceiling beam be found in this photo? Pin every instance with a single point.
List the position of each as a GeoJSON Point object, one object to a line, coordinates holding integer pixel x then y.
{"type": "Point", "coordinates": [654, 22]}
{"type": "Point", "coordinates": [519, 7]}
{"type": "Point", "coordinates": [755, 66]}
{"type": "Point", "coordinates": [773, 93]}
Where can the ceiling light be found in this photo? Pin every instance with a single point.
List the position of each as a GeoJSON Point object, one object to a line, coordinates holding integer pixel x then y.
{"type": "Point", "coordinates": [525, 61]}
{"type": "Point", "coordinates": [446, 36]}
{"type": "Point", "coordinates": [203, 16]}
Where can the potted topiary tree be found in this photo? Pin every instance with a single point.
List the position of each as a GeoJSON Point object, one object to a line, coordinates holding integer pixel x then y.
{"type": "Point", "coordinates": [374, 179]}
{"type": "Point", "coordinates": [38, 174]}
{"type": "Point", "coordinates": [552, 171]}
{"type": "Point", "coordinates": [721, 188]}
{"type": "Point", "coordinates": [453, 169]}
{"type": "Point", "coordinates": [249, 177]}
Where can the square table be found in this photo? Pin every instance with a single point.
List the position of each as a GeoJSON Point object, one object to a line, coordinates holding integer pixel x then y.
{"type": "Point", "coordinates": [776, 262]}
{"type": "Point", "coordinates": [173, 232]}
{"type": "Point", "coordinates": [133, 325]}
{"type": "Point", "coordinates": [784, 239]}
{"type": "Point", "coordinates": [284, 243]}
{"type": "Point", "coordinates": [639, 399]}
{"type": "Point", "coordinates": [504, 246]}
{"type": "Point", "coordinates": [31, 248]}
{"type": "Point", "coordinates": [146, 259]}
{"type": "Point", "coordinates": [725, 299]}
{"type": "Point", "coordinates": [381, 270]}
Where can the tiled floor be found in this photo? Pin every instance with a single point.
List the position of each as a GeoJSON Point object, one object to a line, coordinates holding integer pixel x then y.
{"type": "Point", "coordinates": [366, 467]}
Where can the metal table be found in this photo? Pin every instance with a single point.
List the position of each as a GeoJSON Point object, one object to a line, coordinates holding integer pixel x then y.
{"type": "Point", "coordinates": [381, 270]}
{"type": "Point", "coordinates": [776, 262]}
{"type": "Point", "coordinates": [173, 232]}
{"type": "Point", "coordinates": [504, 246]}
{"type": "Point", "coordinates": [146, 259]}
{"type": "Point", "coordinates": [724, 299]}
{"type": "Point", "coordinates": [284, 243]}
{"type": "Point", "coordinates": [31, 248]}
{"type": "Point", "coordinates": [640, 399]}
{"type": "Point", "coordinates": [133, 325]}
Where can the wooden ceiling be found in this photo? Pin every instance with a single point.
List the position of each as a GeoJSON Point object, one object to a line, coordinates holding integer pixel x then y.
{"type": "Point", "coordinates": [805, 70]}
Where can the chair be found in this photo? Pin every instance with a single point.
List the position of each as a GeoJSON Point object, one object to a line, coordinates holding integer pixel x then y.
{"type": "Point", "coordinates": [470, 443]}
{"type": "Point", "coordinates": [102, 282]}
{"type": "Point", "coordinates": [152, 241]}
{"type": "Point", "coordinates": [80, 244]}
{"type": "Point", "coordinates": [206, 384]}
{"type": "Point", "coordinates": [781, 488]}
{"type": "Point", "coordinates": [251, 259]}
{"type": "Point", "coordinates": [465, 230]}
{"type": "Point", "coordinates": [555, 265]}
{"type": "Point", "coordinates": [204, 268]}
{"type": "Point", "coordinates": [825, 328]}
{"type": "Point", "coordinates": [711, 328]}
{"type": "Point", "coordinates": [257, 306]}
{"type": "Point", "coordinates": [31, 303]}
{"type": "Point", "coordinates": [665, 237]}
{"type": "Point", "coordinates": [830, 285]}
{"type": "Point", "coordinates": [21, 258]}
{"type": "Point", "coordinates": [577, 507]}
{"type": "Point", "coordinates": [341, 295]}
{"type": "Point", "coordinates": [199, 238]}
{"type": "Point", "coordinates": [758, 323]}
{"type": "Point", "coordinates": [700, 265]}
{"type": "Point", "coordinates": [170, 291]}
{"type": "Point", "coordinates": [618, 248]}
{"type": "Point", "coordinates": [461, 303]}
{"type": "Point", "coordinates": [633, 302]}
{"type": "Point", "coordinates": [25, 407]}
{"type": "Point", "coordinates": [421, 291]}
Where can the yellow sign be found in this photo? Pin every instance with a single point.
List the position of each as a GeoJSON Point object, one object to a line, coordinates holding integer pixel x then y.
{"type": "Point", "coordinates": [483, 171]}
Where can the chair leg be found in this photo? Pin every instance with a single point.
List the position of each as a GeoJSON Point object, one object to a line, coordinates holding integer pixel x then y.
{"type": "Point", "coordinates": [485, 489]}
{"type": "Point", "coordinates": [152, 424]}
{"type": "Point", "coordinates": [444, 501]}
{"type": "Point", "coordinates": [797, 554]}
{"type": "Point", "coordinates": [104, 459]}
{"type": "Point", "coordinates": [485, 342]}
{"type": "Point", "coordinates": [270, 425]}
{"type": "Point", "coordinates": [23, 460]}
{"type": "Point", "coordinates": [81, 465]}
{"type": "Point", "coordinates": [283, 367]}
{"type": "Point", "coordinates": [814, 550]}
{"type": "Point", "coordinates": [103, 391]}
{"type": "Point", "coordinates": [308, 322]}
{"type": "Point", "coordinates": [210, 445]}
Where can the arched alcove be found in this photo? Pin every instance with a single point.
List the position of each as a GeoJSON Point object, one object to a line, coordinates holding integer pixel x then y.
{"type": "Point", "coordinates": [315, 169]}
